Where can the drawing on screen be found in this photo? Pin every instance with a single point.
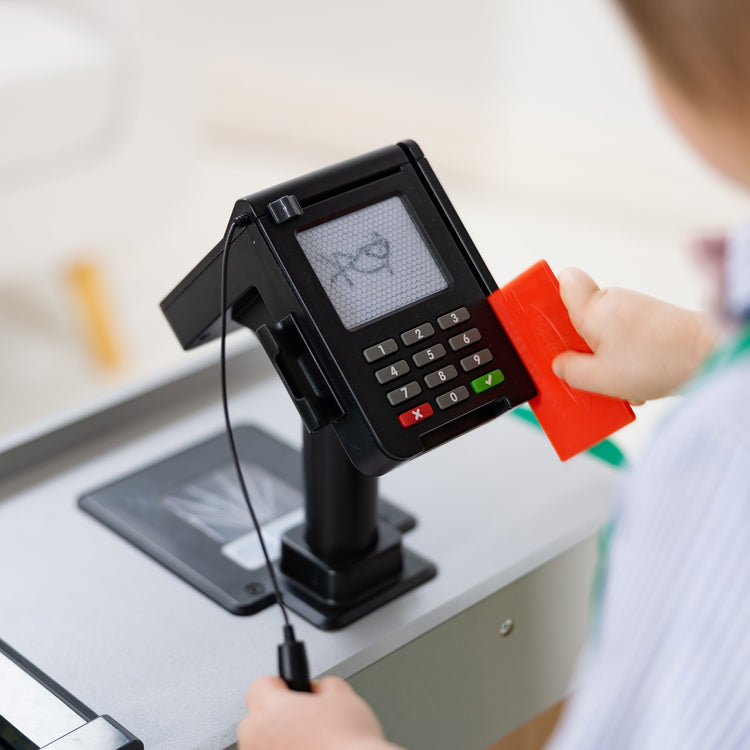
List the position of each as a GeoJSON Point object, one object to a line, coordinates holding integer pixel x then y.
{"type": "Point", "coordinates": [371, 257]}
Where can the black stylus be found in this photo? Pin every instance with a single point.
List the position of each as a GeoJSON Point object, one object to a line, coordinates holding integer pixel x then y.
{"type": "Point", "coordinates": [293, 667]}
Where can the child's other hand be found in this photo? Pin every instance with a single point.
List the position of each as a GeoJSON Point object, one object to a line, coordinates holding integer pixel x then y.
{"type": "Point", "coordinates": [333, 717]}
{"type": "Point", "coordinates": [643, 348]}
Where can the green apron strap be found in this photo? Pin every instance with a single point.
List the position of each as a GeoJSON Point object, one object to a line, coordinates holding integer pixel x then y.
{"type": "Point", "coordinates": [736, 348]}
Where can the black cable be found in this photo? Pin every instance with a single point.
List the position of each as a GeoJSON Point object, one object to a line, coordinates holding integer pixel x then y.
{"type": "Point", "coordinates": [233, 224]}
{"type": "Point", "coordinates": [292, 656]}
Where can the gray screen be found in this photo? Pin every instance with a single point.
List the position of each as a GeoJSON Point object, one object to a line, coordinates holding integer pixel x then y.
{"type": "Point", "coordinates": [372, 261]}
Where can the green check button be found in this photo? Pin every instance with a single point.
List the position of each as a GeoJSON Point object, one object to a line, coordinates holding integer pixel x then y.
{"type": "Point", "coordinates": [487, 381]}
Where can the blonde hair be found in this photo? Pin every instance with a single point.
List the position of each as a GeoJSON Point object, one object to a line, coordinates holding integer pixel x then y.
{"type": "Point", "coordinates": [701, 47]}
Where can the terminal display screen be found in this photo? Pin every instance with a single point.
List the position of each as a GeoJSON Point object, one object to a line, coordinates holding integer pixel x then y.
{"type": "Point", "coordinates": [372, 261]}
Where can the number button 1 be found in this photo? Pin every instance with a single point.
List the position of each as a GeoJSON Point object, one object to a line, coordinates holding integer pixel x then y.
{"type": "Point", "coordinates": [378, 351]}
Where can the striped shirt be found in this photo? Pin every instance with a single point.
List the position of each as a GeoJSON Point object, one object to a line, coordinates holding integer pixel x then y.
{"type": "Point", "coordinates": [670, 667]}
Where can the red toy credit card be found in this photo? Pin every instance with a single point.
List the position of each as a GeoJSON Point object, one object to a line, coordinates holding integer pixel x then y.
{"type": "Point", "coordinates": [536, 320]}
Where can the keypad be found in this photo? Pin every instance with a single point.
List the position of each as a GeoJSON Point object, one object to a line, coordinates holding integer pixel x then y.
{"type": "Point", "coordinates": [437, 381]}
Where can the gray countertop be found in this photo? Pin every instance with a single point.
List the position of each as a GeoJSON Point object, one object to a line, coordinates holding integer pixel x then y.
{"type": "Point", "coordinates": [130, 639]}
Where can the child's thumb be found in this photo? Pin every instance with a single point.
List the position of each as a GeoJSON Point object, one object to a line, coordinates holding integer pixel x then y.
{"type": "Point", "coordinates": [578, 370]}
{"type": "Point", "coordinates": [576, 289]}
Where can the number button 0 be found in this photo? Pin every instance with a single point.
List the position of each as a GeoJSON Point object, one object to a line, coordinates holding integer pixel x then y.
{"type": "Point", "coordinates": [429, 355]}
{"type": "Point", "coordinates": [456, 396]}
{"type": "Point", "coordinates": [415, 335]}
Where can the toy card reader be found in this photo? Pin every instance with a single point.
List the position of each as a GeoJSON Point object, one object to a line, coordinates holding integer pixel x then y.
{"type": "Point", "coordinates": [369, 296]}
{"type": "Point", "coordinates": [392, 338]}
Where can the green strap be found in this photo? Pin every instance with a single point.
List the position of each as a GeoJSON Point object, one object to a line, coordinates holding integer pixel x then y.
{"type": "Point", "coordinates": [606, 451]}
{"type": "Point", "coordinates": [736, 348]}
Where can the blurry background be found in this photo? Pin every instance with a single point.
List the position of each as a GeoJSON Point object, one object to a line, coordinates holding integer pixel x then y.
{"type": "Point", "coordinates": [129, 129]}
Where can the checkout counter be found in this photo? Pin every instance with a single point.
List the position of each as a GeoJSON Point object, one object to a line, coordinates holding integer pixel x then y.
{"type": "Point", "coordinates": [458, 662]}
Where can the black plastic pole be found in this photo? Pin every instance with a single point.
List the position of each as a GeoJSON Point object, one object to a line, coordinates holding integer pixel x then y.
{"type": "Point", "coordinates": [340, 502]}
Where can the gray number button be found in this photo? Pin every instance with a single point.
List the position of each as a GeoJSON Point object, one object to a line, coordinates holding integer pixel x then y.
{"type": "Point", "coordinates": [453, 318]}
{"type": "Point", "coordinates": [415, 335]}
{"type": "Point", "coordinates": [467, 338]}
{"type": "Point", "coordinates": [473, 361]}
{"type": "Point", "coordinates": [378, 351]}
{"type": "Point", "coordinates": [396, 370]}
{"type": "Point", "coordinates": [429, 355]}
{"type": "Point", "coordinates": [456, 396]}
{"type": "Point", "coordinates": [404, 393]}
{"type": "Point", "coordinates": [446, 374]}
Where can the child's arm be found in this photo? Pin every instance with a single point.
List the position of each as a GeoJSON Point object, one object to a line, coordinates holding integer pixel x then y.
{"type": "Point", "coordinates": [643, 348]}
{"type": "Point", "coordinates": [333, 717]}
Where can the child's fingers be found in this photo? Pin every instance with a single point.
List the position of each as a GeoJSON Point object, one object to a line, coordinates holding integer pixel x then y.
{"type": "Point", "coordinates": [331, 685]}
{"type": "Point", "coordinates": [264, 688]}
{"type": "Point", "coordinates": [585, 372]}
{"type": "Point", "coordinates": [579, 370]}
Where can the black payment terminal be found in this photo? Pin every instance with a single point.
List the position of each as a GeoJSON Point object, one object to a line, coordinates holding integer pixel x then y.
{"type": "Point", "coordinates": [369, 296]}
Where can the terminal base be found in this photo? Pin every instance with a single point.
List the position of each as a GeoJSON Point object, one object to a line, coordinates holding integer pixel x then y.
{"type": "Point", "coordinates": [331, 596]}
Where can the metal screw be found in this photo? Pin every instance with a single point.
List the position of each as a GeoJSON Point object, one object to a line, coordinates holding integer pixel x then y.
{"type": "Point", "coordinates": [507, 627]}
{"type": "Point", "coordinates": [255, 588]}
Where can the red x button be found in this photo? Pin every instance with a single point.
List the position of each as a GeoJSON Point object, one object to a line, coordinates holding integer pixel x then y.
{"type": "Point", "coordinates": [414, 415]}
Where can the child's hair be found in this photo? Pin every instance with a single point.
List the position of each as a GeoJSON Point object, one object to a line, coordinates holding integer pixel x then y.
{"type": "Point", "coordinates": [702, 47]}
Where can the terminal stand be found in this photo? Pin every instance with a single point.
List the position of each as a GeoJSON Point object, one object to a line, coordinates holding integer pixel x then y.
{"type": "Point", "coordinates": [344, 560]}
{"type": "Point", "coordinates": [340, 502]}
